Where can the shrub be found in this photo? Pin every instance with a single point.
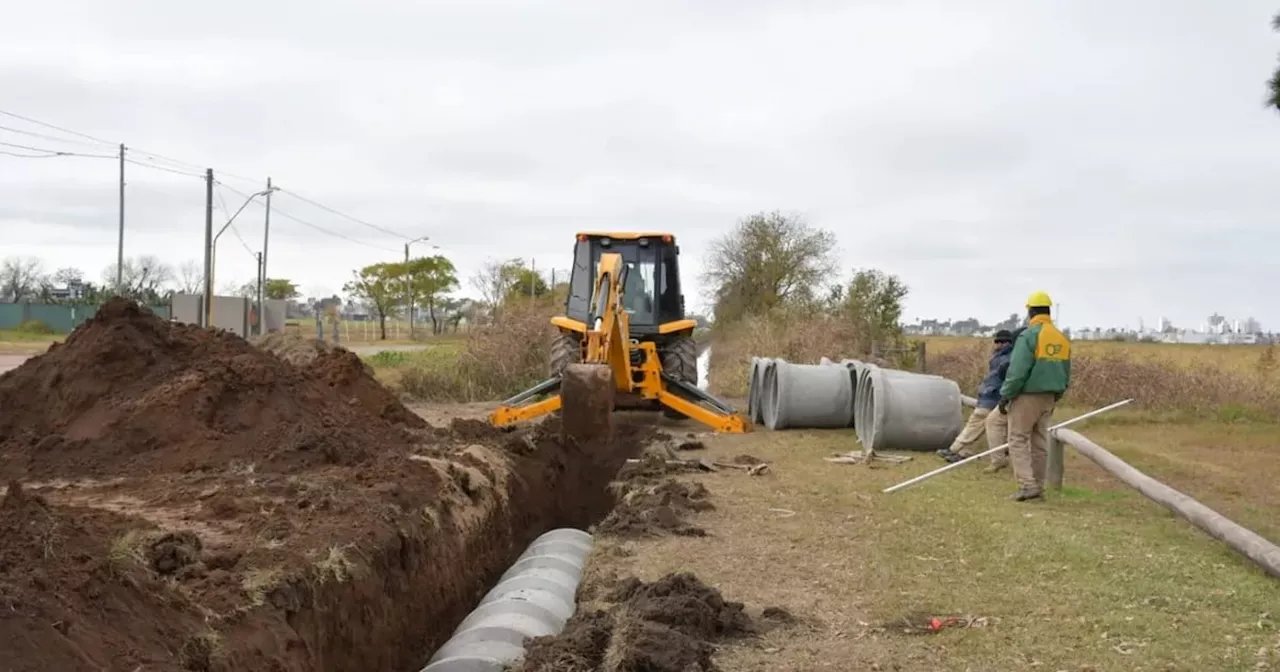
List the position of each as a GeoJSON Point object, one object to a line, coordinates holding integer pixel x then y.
{"type": "Point", "coordinates": [494, 362]}
{"type": "Point", "coordinates": [793, 335]}
{"type": "Point", "coordinates": [34, 327]}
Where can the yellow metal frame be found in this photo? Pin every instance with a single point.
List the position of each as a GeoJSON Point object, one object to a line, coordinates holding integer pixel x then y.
{"type": "Point", "coordinates": [609, 343]}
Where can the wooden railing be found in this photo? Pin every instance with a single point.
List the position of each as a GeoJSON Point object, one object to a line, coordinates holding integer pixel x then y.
{"type": "Point", "coordinates": [1239, 538]}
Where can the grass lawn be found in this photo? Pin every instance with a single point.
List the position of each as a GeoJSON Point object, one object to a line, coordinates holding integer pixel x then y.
{"type": "Point", "coordinates": [389, 365]}
{"type": "Point", "coordinates": [1096, 578]}
{"type": "Point", "coordinates": [13, 342]}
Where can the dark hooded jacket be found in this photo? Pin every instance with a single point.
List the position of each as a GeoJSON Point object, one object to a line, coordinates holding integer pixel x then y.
{"type": "Point", "coordinates": [997, 368]}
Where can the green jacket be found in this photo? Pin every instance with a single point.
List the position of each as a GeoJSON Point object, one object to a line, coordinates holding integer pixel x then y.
{"type": "Point", "coordinates": [1041, 361]}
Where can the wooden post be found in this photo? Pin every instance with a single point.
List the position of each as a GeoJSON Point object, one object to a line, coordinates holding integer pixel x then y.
{"type": "Point", "coordinates": [1241, 540]}
{"type": "Point", "coordinates": [920, 357]}
{"type": "Point", "coordinates": [1053, 463]}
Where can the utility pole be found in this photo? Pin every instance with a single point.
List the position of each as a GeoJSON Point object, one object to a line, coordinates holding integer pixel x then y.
{"type": "Point", "coordinates": [120, 241]}
{"type": "Point", "coordinates": [408, 288]}
{"type": "Point", "coordinates": [262, 280]}
{"type": "Point", "coordinates": [266, 236]}
{"type": "Point", "coordinates": [533, 277]}
{"type": "Point", "coordinates": [208, 249]}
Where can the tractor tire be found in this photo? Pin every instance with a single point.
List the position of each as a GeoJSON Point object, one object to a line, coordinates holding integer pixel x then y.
{"type": "Point", "coordinates": [565, 350]}
{"type": "Point", "coordinates": [680, 361]}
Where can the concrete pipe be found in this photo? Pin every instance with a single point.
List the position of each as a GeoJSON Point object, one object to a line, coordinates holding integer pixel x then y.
{"type": "Point", "coordinates": [906, 411]}
{"type": "Point", "coordinates": [534, 598]}
{"type": "Point", "coordinates": [812, 396]}
{"type": "Point", "coordinates": [755, 388]}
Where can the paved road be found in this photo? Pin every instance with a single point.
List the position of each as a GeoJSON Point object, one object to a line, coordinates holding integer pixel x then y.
{"type": "Point", "coordinates": [11, 361]}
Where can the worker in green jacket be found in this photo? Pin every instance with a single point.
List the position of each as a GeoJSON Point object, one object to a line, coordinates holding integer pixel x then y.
{"type": "Point", "coordinates": [1039, 374]}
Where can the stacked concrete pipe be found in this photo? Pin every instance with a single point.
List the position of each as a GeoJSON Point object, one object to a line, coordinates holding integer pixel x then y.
{"type": "Point", "coordinates": [534, 598]}
{"type": "Point", "coordinates": [888, 408]}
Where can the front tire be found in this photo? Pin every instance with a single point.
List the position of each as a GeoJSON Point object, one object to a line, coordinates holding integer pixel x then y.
{"type": "Point", "coordinates": [565, 350]}
{"type": "Point", "coordinates": [680, 361]}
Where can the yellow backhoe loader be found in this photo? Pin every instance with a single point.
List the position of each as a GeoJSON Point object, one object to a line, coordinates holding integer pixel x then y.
{"type": "Point", "coordinates": [624, 340]}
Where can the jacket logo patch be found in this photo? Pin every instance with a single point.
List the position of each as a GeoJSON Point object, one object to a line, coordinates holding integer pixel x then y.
{"type": "Point", "coordinates": [1053, 346]}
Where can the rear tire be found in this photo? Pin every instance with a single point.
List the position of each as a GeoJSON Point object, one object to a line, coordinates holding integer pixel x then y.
{"type": "Point", "coordinates": [680, 361]}
{"type": "Point", "coordinates": [565, 350]}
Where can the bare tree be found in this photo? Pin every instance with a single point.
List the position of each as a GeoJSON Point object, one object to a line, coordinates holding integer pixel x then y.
{"type": "Point", "coordinates": [22, 279]}
{"type": "Point", "coordinates": [768, 260]}
{"type": "Point", "coordinates": [145, 277]}
{"type": "Point", "coordinates": [190, 277]}
{"type": "Point", "coordinates": [1273, 85]}
{"type": "Point", "coordinates": [495, 280]}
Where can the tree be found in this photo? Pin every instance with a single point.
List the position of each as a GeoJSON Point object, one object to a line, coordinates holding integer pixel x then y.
{"type": "Point", "coordinates": [190, 277]}
{"type": "Point", "coordinates": [280, 289]}
{"type": "Point", "coordinates": [494, 281]}
{"type": "Point", "coordinates": [22, 279]}
{"type": "Point", "coordinates": [1273, 85]}
{"type": "Point", "coordinates": [430, 278]}
{"type": "Point", "coordinates": [144, 279]}
{"type": "Point", "coordinates": [874, 298]}
{"type": "Point", "coordinates": [526, 283]}
{"type": "Point", "coordinates": [381, 287]}
{"type": "Point", "coordinates": [766, 261]}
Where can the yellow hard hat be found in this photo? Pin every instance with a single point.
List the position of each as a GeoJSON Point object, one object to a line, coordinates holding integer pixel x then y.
{"type": "Point", "coordinates": [1039, 300]}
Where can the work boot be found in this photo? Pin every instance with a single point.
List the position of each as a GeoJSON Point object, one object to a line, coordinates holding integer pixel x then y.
{"type": "Point", "coordinates": [1025, 494]}
{"type": "Point", "coordinates": [955, 457]}
{"type": "Point", "coordinates": [945, 454]}
{"type": "Point", "coordinates": [995, 467]}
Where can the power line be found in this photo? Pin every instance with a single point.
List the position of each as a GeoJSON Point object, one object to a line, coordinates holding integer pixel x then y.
{"type": "Point", "coordinates": [46, 136]}
{"type": "Point", "coordinates": [57, 128]}
{"type": "Point", "coordinates": [357, 220]}
{"type": "Point", "coordinates": [154, 157]}
{"type": "Point", "coordinates": [321, 229]}
{"type": "Point", "coordinates": [53, 153]}
{"type": "Point", "coordinates": [164, 168]}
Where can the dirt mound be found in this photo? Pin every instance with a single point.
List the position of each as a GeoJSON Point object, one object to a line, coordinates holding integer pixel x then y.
{"type": "Point", "coordinates": [341, 369]}
{"type": "Point", "coordinates": [669, 625]}
{"type": "Point", "coordinates": [130, 392]}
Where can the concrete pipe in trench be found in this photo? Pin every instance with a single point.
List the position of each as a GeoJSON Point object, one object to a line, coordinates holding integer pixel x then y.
{"type": "Point", "coordinates": [901, 410]}
{"type": "Point", "coordinates": [534, 598]}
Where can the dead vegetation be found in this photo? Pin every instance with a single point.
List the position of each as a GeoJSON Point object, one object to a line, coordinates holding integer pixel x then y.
{"type": "Point", "coordinates": [493, 362]}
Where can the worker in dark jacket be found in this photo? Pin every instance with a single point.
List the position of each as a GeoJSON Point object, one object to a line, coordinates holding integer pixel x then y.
{"type": "Point", "coordinates": [1039, 374]}
{"type": "Point", "coordinates": [988, 398]}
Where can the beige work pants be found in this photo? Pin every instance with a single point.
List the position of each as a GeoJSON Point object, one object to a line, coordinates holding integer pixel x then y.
{"type": "Point", "coordinates": [971, 433]}
{"type": "Point", "coordinates": [997, 434]}
{"type": "Point", "coordinates": [1028, 418]}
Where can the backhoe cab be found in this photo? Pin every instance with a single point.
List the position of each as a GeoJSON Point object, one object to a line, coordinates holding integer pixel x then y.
{"type": "Point", "coordinates": [625, 312]}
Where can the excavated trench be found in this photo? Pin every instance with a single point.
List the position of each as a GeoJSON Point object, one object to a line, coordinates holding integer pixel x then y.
{"type": "Point", "coordinates": [424, 581]}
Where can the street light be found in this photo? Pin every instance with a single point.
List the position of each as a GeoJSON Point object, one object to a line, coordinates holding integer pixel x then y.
{"type": "Point", "coordinates": [213, 253]}
{"type": "Point", "coordinates": [408, 278]}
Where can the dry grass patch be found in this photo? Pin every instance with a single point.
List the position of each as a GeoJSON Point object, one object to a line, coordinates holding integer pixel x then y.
{"type": "Point", "coordinates": [1096, 578]}
{"type": "Point", "coordinates": [494, 362]}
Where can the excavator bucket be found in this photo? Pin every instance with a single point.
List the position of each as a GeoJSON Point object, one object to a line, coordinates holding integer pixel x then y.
{"type": "Point", "coordinates": [586, 404]}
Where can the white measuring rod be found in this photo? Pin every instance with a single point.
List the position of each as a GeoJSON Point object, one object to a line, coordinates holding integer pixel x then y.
{"type": "Point", "coordinates": [953, 465]}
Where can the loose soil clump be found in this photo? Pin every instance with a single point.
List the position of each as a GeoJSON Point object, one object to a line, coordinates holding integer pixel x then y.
{"type": "Point", "coordinates": [670, 625]}
{"type": "Point", "coordinates": [650, 505]}
{"type": "Point", "coordinates": [182, 500]}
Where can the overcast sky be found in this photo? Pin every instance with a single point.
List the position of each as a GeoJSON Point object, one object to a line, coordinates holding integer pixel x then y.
{"type": "Point", "coordinates": [1113, 153]}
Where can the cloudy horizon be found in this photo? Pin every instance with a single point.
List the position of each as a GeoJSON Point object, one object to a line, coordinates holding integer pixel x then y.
{"type": "Point", "coordinates": [1117, 155]}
